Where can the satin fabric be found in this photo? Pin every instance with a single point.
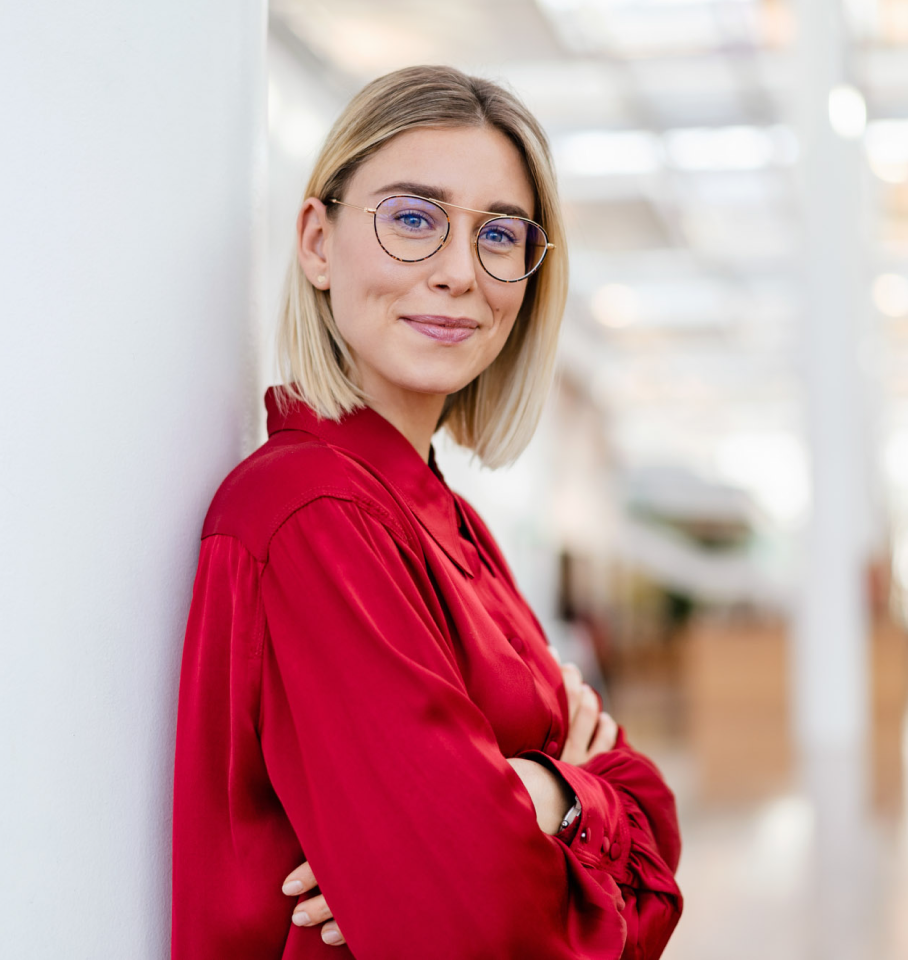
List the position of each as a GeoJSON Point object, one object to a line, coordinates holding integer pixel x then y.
{"type": "Point", "coordinates": [358, 664]}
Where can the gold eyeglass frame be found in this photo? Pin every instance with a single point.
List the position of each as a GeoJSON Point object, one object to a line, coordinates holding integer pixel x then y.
{"type": "Point", "coordinates": [441, 204]}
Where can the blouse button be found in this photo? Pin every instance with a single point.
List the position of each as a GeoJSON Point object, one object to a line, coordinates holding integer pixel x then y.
{"type": "Point", "coordinates": [552, 748]}
{"type": "Point", "coordinates": [584, 836]}
{"type": "Point", "coordinates": [605, 845]}
{"type": "Point", "coordinates": [615, 852]}
{"type": "Point", "coordinates": [518, 644]}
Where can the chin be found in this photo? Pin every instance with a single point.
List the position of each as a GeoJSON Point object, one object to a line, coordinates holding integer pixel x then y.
{"type": "Point", "coordinates": [441, 383]}
{"type": "Point", "coordinates": [436, 387]}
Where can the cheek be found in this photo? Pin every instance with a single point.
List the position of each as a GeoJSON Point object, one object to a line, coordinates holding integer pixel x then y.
{"type": "Point", "coordinates": [364, 272]}
{"type": "Point", "coordinates": [361, 285]}
{"type": "Point", "coordinates": [506, 306]}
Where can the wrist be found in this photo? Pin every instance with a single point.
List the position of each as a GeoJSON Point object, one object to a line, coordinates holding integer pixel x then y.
{"type": "Point", "coordinates": [552, 796]}
{"type": "Point", "coordinates": [559, 799]}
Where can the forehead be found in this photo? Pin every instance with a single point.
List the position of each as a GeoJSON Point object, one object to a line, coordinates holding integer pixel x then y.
{"type": "Point", "coordinates": [475, 166]}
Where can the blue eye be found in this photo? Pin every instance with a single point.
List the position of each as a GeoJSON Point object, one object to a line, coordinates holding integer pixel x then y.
{"type": "Point", "coordinates": [502, 235]}
{"type": "Point", "coordinates": [413, 221]}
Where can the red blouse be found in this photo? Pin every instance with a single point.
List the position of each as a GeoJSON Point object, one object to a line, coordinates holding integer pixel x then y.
{"type": "Point", "coordinates": [358, 664]}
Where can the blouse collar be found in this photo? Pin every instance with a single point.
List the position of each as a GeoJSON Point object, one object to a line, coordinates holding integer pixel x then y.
{"type": "Point", "coordinates": [384, 450]}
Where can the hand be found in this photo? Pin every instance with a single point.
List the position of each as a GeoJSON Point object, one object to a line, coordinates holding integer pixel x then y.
{"type": "Point", "coordinates": [315, 909]}
{"type": "Point", "coordinates": [591, 730]}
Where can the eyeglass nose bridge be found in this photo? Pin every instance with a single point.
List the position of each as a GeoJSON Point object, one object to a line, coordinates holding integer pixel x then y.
{"type": "Point", "coordinates": [474, 241]}
{"type": "Point", "coordinates": [449, 232]}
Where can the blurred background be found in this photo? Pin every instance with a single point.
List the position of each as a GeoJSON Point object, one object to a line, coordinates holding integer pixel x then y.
{"type": "Point", "coordinates": [711, 521]}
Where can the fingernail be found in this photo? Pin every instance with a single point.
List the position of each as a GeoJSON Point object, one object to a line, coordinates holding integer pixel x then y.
{"type": "Point", "coordinates": [331, 936]}
{"type": "Point", "coordinates": [300, 918]}
{"type": "Point", "coordinates": [292, 887]}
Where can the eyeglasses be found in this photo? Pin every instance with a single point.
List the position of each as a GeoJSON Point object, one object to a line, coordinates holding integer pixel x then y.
{"type": "Point", "coordinates": [411, 229]}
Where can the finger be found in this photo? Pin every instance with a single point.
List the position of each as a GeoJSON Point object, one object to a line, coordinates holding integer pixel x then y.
{"type": "Point", "coordinates": [576, 687]}
{"type": "Point", "coordinates": [311, 911]}
{"type": "Point", "coordinates": [606, 736]}
{"type": "Point", "coordinates": [300, 880]}
{"type": "Point", "coordinates": [581, 731]}
{"type": "Point", "coordinates": [331, 934]}
{"type": "Point", "coordinates": [573, 685]}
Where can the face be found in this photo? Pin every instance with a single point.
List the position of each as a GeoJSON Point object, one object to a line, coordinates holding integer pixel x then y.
{"type": "Point", "coordinates": [396, 316]}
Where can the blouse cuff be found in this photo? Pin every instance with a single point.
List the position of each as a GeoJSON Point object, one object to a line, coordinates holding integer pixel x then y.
{"type": "Point", "coordinates": [600, 836]}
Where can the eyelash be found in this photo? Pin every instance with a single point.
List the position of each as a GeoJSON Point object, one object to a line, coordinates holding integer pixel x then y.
{"type": "Point", "coordinates": [402, 215]}
{"type": "Point", "coordinates": [507, 233]}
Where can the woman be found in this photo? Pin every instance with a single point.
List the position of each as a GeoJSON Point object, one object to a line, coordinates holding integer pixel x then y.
{"type": "Point", "coordinates": [365, 694]}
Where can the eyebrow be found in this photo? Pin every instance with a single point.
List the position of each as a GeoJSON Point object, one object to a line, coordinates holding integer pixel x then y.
{"type": "Point", "coordinates": [440, 193]}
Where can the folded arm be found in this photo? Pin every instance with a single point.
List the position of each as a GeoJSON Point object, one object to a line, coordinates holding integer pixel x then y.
{"type": "Point", "coordinates": [628, 830]}
{"type": "Point", "coordinates": [392, 777]}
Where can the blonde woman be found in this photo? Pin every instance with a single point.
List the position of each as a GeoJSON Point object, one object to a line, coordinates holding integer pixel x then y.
{"type": "Point", "coordinates": [377, 753]}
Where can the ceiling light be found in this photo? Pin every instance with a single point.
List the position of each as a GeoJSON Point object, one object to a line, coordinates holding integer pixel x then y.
{"type": "Point", "coordinates": [888, 171]}
{"type": "Point", "coordinates": [847, 111]}
{"type": "Point", "coordinates": [887, 149]}
{"type": "Point", "coordinates": [890, 294]}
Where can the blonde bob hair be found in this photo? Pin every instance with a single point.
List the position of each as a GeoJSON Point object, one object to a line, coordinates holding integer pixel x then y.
{"type": "Point", "coordinates": [495, 414]}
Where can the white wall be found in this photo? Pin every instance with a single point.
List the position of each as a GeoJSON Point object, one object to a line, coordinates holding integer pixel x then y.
{"type": "Point", "coordinates": [132, 198]}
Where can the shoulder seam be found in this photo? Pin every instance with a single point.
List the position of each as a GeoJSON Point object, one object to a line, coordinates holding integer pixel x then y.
{"type": "Point", "coordinates": [384, 516]}
{"type": "Point", "coordinates": [259, 629]}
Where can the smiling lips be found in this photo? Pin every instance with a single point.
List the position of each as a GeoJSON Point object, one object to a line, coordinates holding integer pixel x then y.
{"type": "Point", "coordinates": [446, 329]}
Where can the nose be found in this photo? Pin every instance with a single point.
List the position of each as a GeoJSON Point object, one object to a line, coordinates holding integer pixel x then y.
{"type": "Point", "coordinates": [454, 266]}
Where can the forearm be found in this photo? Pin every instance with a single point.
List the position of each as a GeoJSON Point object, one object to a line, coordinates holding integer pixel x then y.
{"type": "Point", "coordinates": [552, 796]}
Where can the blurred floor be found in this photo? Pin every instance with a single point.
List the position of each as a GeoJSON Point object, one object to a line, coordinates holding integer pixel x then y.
{"type": "Point", "coordinates": [760, 876]}
{"type": "Point", "coordinates": [746, 878]}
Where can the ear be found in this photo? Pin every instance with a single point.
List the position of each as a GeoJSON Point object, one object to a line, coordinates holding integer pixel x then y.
{"type": "Point", "coordinates": [312, 229]}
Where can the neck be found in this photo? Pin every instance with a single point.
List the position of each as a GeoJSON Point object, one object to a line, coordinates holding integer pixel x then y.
{"type": "Point", "coordinates": [415, 415]}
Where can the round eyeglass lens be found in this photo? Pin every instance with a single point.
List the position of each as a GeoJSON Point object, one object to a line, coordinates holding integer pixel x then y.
{"type": "Point", "coordinates": [511, 248]}
{"type": "Point", "coordinates": [410, 228]}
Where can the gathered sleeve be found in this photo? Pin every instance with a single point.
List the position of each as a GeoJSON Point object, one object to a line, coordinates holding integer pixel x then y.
{"type": "Point", "coordinates": [627, 829]}
{"type": "Point", "coordinates": [422, 837]}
